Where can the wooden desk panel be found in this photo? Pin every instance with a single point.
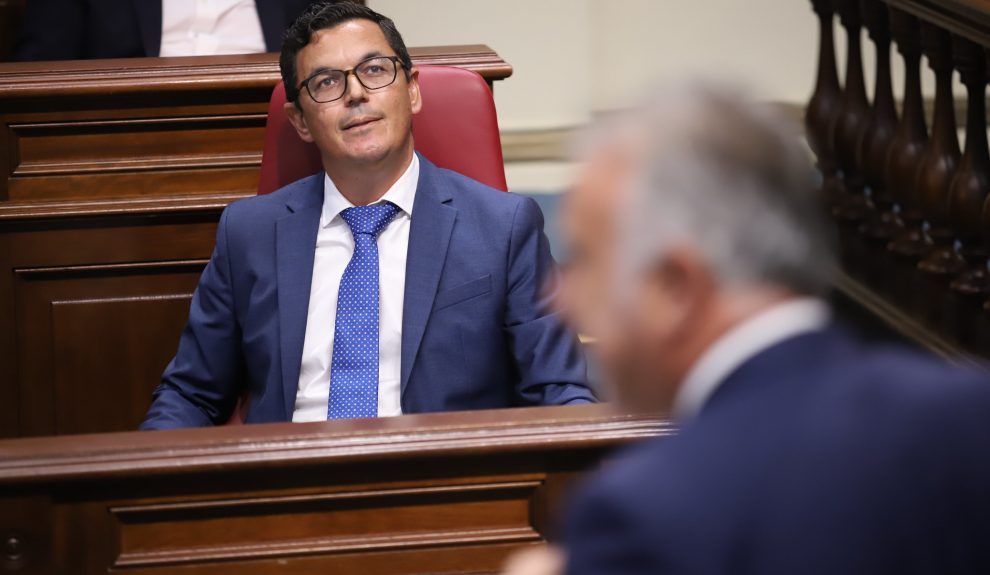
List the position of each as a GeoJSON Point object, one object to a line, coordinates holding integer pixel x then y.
{"type": "Point", "coordinates": [113, 174]}
{"type": "Point", "coordinates": [439, 493]}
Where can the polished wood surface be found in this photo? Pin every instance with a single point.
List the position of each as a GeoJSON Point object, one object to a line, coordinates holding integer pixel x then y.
{"type": "Point", "coordinates": [113, 174]}
{"type": "Point", "coordinates": [438, 493]}
{"type": "Point", "coordinates": [918, 257]}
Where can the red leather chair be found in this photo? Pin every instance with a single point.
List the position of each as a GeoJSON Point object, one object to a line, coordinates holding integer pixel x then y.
{"type": "Point", "coordinates": [456, 129]}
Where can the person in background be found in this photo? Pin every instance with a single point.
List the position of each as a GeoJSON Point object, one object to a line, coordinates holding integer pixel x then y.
{"type": "Point", "coordinates": [381, 286]}
{"type": "Point", "coordinates": [85, 29]}
{"type": "Point", "coordinates": [699, 260]}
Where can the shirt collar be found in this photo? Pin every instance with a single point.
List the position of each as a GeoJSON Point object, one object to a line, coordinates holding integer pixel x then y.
{"type": "Point", "coordinates": [402, 194]}
{"type": "Point", "coordinates": [742, 343]}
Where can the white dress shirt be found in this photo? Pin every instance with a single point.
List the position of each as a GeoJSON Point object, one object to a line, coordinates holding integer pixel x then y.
{"type": "Point", "coordinates": [334, 247]}
{"type": "Point", "coordinates": [742, 343]}
{"type": "Point", "coordinates": [208, 27]}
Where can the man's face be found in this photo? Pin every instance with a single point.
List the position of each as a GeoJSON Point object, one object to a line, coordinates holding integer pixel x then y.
{"type": "Point", "coordinates": [587, 299]}
{"type": "Point", "coordinates": [364, 127]}
{"type": "Point", "coordinates": [632, 327]}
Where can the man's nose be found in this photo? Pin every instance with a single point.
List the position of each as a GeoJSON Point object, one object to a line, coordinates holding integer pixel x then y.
{"type": "Point", "coordinates": [354, 91]}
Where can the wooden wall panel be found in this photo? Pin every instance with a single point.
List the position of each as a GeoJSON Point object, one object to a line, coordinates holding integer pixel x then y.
{"type": "Point", "coordinates": [434, 493]}
{"type": "Point", "coordinates": [99, 337]}
{"type": "Point", "coordinates": [113, 174]}
{"type": "Point", "coordinates": [134, 158]}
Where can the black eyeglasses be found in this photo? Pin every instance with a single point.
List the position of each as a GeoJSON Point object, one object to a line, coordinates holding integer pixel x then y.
{"type": "Point", "coordinates": [374, 74]}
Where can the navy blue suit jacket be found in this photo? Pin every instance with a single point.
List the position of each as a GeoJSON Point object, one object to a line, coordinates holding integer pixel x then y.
{"type": "Point", "coordinates": [817, 456]}
{"type": "Point", "coordinates": [476, 330]}
{"type": "Point", "coordinates": [80, 29]}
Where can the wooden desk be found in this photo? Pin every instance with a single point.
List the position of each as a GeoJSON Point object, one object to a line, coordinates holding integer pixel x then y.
{"type": "Point", "coordinates": [440, 493]}
{"type": "Point", "coordinates": [113, 174]}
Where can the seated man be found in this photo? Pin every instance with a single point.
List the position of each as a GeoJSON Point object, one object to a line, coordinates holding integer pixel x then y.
{"type": "Point", "coordinates": [700, 256]}
{"type": "Point", "coordinates": [383, 286]}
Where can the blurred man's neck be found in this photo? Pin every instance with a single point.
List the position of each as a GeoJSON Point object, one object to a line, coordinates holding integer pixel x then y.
{"type": "Point", "coordinates": [749, 325]}
{"type": "Point", "coordinates": [726, 312]}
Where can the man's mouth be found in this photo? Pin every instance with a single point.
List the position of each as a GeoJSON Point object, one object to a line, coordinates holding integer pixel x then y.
{"type": "Point", "coordinates": [359, 122]}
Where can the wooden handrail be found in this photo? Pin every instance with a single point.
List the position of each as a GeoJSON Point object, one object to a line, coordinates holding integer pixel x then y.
{"type": "Point", "coordinates": [74, 78]}
{"type": "Point", "coordinates": [34, 461]}
{"type": "Point", "coordinates": [968, 18]}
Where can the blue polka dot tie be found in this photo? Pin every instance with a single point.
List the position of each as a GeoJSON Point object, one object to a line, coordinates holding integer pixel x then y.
{"type": "Point", "coordinates": [354, 366]}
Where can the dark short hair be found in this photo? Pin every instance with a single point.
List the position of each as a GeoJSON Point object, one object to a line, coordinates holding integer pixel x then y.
{"type": "Point", "coordinates": [327, 14]}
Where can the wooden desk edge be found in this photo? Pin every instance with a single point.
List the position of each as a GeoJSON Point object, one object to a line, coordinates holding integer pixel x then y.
{"type": "Point", "coordinates": [38, 460]}
{"type": "Point", "coordinates": [24, 80]}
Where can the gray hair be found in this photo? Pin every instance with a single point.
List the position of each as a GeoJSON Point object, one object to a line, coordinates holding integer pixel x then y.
{"type": "Point", "coordinates": [723, 175]}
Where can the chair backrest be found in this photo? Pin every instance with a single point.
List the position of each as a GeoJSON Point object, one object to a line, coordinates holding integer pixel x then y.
{"type": "Point", "coordinates": [456, 129]}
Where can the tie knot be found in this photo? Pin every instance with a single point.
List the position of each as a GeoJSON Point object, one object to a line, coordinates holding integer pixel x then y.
{"type": "Point", "coordinates": [371, 219]}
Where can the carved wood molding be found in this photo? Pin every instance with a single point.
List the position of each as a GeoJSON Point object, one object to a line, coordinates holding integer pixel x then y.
{"type": "Point", "coordinates": [75, 78]}
{"type": "Point", "coordinates": [148, 135]}
{"type": "Point", "coordinates": [41, 460]}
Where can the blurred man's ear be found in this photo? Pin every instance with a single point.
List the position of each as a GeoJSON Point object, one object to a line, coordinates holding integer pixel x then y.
{"type": "Point", "coordinates": [298, 121]}
{"type": "Point", "coordinates": [675, 293]}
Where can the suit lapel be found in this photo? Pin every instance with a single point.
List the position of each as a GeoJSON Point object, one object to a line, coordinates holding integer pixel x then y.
{"type": "Point", "coordinates": [429, 236]}
{"type": "Point", "coordinates": [295, 246]}
{"type": "Point", "coordinates": [149, 16]}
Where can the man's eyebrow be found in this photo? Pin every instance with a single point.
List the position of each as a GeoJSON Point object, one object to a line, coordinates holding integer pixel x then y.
{"type": "Point", "coordinates": [322, 69]}
{"type": "Point", "coordinates": [372, 54]}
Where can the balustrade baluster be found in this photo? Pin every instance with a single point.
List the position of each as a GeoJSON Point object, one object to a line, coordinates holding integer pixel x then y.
{"type": "Point", "coordinates": [935, 172]}
{"type": "Point", "coordinates": [850, 120]}
{"type": "Point", "coordinates": [909, 145]}
{"type": "Point", "coordinates": [824, 104]}
{"type": "Point", "coordinates": [968, 193]}
{"type": "Point", "coordinates": [881, 224]}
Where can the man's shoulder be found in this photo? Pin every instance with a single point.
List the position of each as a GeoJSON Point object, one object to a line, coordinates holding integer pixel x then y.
{"type": "Point", "coordinates": [274, 205]}
{"type": "Point", "coordinates": [855, 398]}
{"type": "Point", "coordinates": [893, 381]}
{"type": "Point", "coordinates": [470, 193]}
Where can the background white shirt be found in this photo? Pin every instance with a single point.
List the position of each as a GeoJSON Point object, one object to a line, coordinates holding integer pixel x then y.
{"type": "Point", "coordinates": [742, 343]}
{"type": "Point", "coordinates": [208, 27]}
{"type": "Point", "coordinates": [334, 248]}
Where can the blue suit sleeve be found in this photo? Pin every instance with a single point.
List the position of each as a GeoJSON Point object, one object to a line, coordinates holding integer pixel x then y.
{"type": "Point", "coordinates": [200, 385]}
{"type": "Point", "coordinates": [549, 360]}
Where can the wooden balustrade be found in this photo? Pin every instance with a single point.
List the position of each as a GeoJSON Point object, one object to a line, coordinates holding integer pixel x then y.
{"type": "Point", "coordinates": [918, 256]}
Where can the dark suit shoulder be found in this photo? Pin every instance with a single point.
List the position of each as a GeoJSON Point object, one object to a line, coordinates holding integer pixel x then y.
{"type": "Point", "coordinates": [299, 194]}
{"type": "Point", "coordinates": [469, 190]}
{"type": "Point", "coordinates": [904, 388]}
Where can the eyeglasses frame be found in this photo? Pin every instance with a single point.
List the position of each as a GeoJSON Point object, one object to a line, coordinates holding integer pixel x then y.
{"type": "Point", "coordinates": [396, 62]}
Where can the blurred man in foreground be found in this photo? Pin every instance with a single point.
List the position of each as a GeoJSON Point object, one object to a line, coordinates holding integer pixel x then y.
{"type": "Point", "coordinates": [698, 260]}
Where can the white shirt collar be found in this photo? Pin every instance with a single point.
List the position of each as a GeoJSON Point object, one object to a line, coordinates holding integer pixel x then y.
{"type": "Point", "coordinates": [402, 194]}
{"type": "Point", "coordinates": [742, 343]}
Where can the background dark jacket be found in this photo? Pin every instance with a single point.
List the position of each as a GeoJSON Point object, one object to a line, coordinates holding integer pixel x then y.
{"type": "Point", "coordinates": [83, 29]}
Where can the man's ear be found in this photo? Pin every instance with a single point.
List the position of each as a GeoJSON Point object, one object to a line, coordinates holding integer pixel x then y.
{"type": "Point", "coordinates": [295, 116]}
{"type": "Point", "coordinates": [415, 98]}
{"type": "Point", "coordinates": [678, 290]}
